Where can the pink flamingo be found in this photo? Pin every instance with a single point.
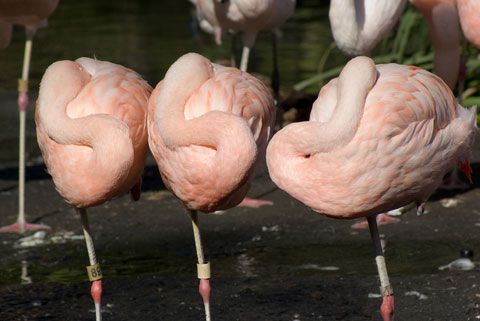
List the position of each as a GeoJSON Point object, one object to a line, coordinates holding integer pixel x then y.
{"type": "Point", "coordinates": [91, 129]}
{"type": "Point", "coordinates": [31, 14]}
{"type": "Point", "coordinates": [358, 26]}
{"type": "Point", "coordinates": [379, 137]}
{"type": "Point", "coordinates": [469, 12]}
{"type": "Point", "coordinates": [444, 27]}
{"type": "Point", "coordinates": [246, 16]}
{"type": "Point", "coordinates": [208, 127]}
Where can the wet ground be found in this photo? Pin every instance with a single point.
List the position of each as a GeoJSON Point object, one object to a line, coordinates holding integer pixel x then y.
{"type": "Point", "coordinates": [281, 262]}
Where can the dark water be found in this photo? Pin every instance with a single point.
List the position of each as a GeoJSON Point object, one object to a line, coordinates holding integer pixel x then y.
{"type": "Point", "coordinates": [340, 258]}
{"type": "Point", "coordinates": [148, 36]}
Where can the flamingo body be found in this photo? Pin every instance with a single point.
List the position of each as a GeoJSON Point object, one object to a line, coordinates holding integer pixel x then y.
{"type": "Point", "coordinates": [208, 127]}
{"type": "Point", "coordinates": [247, 16]}
{"type": "Point", "coordinates": [91, 129]}
{"type": "Point", "coordinates": [29, 13]}
{"type": "Point", "coordinates": [358, 26]}
{"type": "Point", "coordinates": [469, 11]}
{"type": "Point", "coordinates": [379, 137]}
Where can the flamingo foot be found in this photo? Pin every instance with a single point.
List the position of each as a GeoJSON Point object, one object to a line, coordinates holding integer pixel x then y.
{"type": "Point", "coordinates": [254, 203]}
{"type": "Point", "coordinates": [387, 308]}
{"type": "Point", "coordinates": [453, 183]}
{"type": "Point", "coordinates": [382, 219]}
{"type": "Point", "coordinates": [21, 227]}
{"type": "Point", "coordinates": [96, 291]}
{"type": "Point", "coordinates": [205, 290]}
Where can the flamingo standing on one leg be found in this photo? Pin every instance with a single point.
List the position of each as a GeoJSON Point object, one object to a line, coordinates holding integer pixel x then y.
{"type": "Point", "coordinates": [248, 17]}
{"type": "Point", "coordinates": [357, 27]}
{"type": "Point", "coordinates": [379, 137]}
{"type": "Point", "coordinates": [91, 129]}
{"type": "Point", "coordinates": [208, 127]}
{"type": "Point", "coordinates": [31, 14]}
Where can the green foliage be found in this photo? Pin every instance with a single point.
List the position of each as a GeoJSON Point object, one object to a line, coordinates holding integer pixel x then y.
{"type": "Point", "coordinates": [407, 44]}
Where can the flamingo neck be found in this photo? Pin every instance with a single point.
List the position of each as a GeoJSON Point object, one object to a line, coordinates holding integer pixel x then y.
{"type": "Point", "coordinates": [108, 137]}
{"type": "Point", "coordinates": [355, 82]}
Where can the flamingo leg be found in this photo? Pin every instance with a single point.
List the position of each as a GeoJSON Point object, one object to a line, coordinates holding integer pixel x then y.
{"type": "Point", "coordinates": [275, 80]}
{"type": "Point", "coordinates": [388, 305]}
{"type": "Point", "coordinates": [382, 219]}
{"type": "Point", "coordinates": [244, 61]}
{"type": "Point", "coordinates": [21, 226]}
{"type": "Point", "coordinates": [233, 48]}
{"type": "Point", "coordinates": [203, 268]}
{"type": "Point", "coordinates": [94, 272]}
{"type": "Point", "coordinates": [253, 203]}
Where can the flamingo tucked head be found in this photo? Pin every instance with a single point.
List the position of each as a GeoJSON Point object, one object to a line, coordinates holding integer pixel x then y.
{"type": "Point", "coordinates": [91, 129]}
{"type": "Point", "coordinates": [208, 125]}
{"type": "Point", "coordinates": [381, 143]}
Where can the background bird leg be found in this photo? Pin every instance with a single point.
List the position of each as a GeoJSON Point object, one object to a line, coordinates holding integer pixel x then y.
{"type": "Point", "coordinates": [387, 308]}
{"type": "Point", "coordinates": [21, 226]}
{"type": "Point", "coordinates": [94, 272]}
{"type": "Point", "coordinates": [244, 61]}
{"type": "Point", "coordinates": [203, 268]}
{"type": "Point", "coordinates": [275, 79]}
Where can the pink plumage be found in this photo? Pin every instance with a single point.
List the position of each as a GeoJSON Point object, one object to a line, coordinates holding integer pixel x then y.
{"type": "Point", "coordinates": [379, 137]}
{"type": "Point", "coordinates": [208, 127]}
{"type": "Point", "coordinates": [469, 11]}
{"type": "Point", "coordinates": [91, 128]}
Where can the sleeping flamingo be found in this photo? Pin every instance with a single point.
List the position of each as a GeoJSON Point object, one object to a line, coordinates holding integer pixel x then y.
{"type": "Point", "coordinates": [208, 127]}
{"type": "Point", "coordinates": [379, 137]}
{"type": "Point", "coordinates": [31, 14]}
{"type": "Point", "coordinates": [246, 16]}
{"type": "Point", "coordinates": [91, 129]}
{"type": "Point", "coordinates": [358, 26]}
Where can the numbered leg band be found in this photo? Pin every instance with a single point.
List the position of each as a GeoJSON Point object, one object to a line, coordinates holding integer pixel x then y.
{"type": "Point", "coordinates": [22, 85]}
{"type": "Point", "coordinates": [94, 272]}
{"type": "Point", "coordinates": [203, 271]}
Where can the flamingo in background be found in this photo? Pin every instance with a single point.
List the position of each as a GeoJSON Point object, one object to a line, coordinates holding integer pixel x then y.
{"type": "Point", "coordinates": [469, 12]}
{"type": "Point", "coordinates": [208, 127]}
{"type": "Point", "coordinates": [246, 16]}
{"type": "Point", "coordinates": [91, 129]}
{"type": "Point", "coordinates": [444, 27]}
{"type": "Point", "coordinates": [379, 137]}
{"type": "Point", "coordinates": [358, 26]}
{"type": "Point", "coordinates": [31, 14]}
